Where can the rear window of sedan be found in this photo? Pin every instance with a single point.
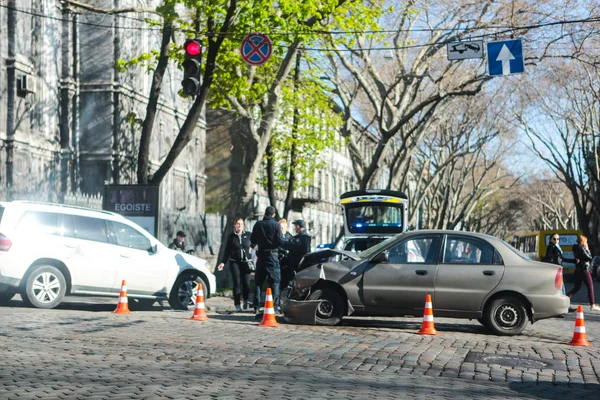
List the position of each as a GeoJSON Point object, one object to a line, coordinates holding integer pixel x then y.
{"type": "Point", "coordinates": [517, 252]}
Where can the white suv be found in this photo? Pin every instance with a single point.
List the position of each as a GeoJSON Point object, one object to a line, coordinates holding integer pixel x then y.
{"type": "Point", "coordinates": [48, 251]}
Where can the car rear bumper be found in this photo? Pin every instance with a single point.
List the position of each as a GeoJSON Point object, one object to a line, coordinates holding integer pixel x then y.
{"type": "Point", "coordinates": [549, 306]}
{"type": "Point", "coordinates": [9, 284]}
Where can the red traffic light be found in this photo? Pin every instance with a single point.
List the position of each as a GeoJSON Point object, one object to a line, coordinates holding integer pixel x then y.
{"type": "Point", "coordinates": [192, 47]}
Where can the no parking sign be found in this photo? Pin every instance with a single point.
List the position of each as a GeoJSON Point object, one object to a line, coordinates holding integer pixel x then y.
{"type": "Point", "coordinates": [256, 49]}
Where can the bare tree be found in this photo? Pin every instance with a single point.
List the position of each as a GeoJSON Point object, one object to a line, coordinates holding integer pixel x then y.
{"type": "Point", "coordinates": [393, 98]}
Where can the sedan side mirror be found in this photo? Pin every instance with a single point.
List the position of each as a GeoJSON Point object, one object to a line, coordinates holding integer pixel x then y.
{"type": "Point", "coordinates": [380, 258]}
{"type": "Point", "coordinates": [154, 248]}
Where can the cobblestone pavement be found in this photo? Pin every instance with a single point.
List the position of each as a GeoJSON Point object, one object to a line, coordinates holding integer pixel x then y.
{"type": "Point", "coordinates": [83, 351]}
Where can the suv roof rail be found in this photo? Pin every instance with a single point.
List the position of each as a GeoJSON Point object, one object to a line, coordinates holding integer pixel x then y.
{"type": "Point", "coordinates": [42, 203]}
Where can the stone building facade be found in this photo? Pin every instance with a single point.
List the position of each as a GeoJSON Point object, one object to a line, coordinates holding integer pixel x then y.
{"type": "Point", "coordinates": [69, 121]}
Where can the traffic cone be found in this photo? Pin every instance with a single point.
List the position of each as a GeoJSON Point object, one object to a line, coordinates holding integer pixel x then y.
{"type": "Point", "coordinates": [122, 305]}
{"type": "Point", "coordinates": [199, 309]}
{"type": "Point", "coordinates": [427, 327]}
{"type": "Point", "coordinates": [579, 337]}
{"type": "Point", "coordinates": [269, 312]}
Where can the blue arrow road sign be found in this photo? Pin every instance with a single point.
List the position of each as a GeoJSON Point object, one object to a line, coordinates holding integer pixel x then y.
{"type": "Point", "coordinates": [505, 57]}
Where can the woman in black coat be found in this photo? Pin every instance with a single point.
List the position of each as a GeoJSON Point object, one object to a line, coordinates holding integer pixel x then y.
{"type": "Point", "coordinates": [554, 254]}
{"type": "Point", "coordinates": [237, 251]}
{"type": "Point", "coordinates": [582, 254]}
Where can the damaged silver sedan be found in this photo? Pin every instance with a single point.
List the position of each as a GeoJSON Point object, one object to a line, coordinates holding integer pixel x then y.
{"type": "Point", "coordinates": [469, 275]}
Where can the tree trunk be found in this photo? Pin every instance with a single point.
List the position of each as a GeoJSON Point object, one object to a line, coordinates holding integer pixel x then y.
{"type": "Point", "coordinates": [148, 126]}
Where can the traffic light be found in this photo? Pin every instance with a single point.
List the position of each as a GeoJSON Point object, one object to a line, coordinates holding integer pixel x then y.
{"type": "Point", "coordinates": [191, 67]}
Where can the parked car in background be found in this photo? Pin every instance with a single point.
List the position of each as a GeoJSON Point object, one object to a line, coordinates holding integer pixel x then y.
{"type": "Point", "coordinates": [48, 251]}
{"type": "Point", "coordinates": [469, 275]}
{"type": "Point", "coordinates": [596, 268]}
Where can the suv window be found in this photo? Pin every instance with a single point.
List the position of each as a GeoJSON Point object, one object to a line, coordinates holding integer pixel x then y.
{"type": "Point", "coordinates": [130, 237]}
{"type": "Point", "coordinates": [90, 228]}
{"type": "Point", "coordinates": [39, 222]}
{"type": "Point", "coordinates": [1, 212]}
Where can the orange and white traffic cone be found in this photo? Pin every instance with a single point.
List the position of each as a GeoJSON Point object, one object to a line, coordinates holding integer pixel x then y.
{"type": "Point", "coordinates": [123, 305]}
{"type": "Point", "coordinates": [269, 312]}
{"type": "Point", "coordinates": [579, 336]}
{"type": "Point", "coordinates": [199, 309]}
{"type": "Point", "coordinates": [427, 327]}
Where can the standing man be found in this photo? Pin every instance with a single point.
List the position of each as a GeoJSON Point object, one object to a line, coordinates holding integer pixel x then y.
{"type": "Point", "coordinates": [267, 235]}
{"type": "Point", "coordinates": [298, 246]}
{"type": "Point", "coordinates": [178, 242]}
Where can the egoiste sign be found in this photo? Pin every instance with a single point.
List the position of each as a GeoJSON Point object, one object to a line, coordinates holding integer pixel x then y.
{"type": "Point", "coordinates": [135, 207]}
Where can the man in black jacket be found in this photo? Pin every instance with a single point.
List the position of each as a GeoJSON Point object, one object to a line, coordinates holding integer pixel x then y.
{"type": "Point", "coordinates": [297, 246]}
{"type": "Point", "coordinates": [267, 235]}
{"type": "Point", "coordinates": [179, 242]}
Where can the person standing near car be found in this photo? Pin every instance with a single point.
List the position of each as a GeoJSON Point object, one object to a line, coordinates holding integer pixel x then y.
{"type": "Point", "coordinates": [237, 253]}
{"type": "Point", "coordinates": [179, 242]}
{"type": "Point", "coordinates": [297, 246]}
{"type": "Point", "coordinates": [582, 254]}
{"type": "Point", "coordinates": [283, 253]}
{"type": "Point", "coordinates": [554, 254]}
{"type": "Point", "coordinates": [266, 234]}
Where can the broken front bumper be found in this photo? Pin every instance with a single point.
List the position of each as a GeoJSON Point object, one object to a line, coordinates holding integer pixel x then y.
{"type": "Point", "coordinates": [299, 311]}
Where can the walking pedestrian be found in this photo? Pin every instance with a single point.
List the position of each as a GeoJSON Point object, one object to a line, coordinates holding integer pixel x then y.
{"type": "Point", "coordinates": [266, 234]}
{"type": "Point", "coordinates": [297, 246]}
{"type": "Point", "coordinates": [554, 254]}
{"type": "Point", "coordinates": [582, 255]}
{"type": "Point", "coordinates": [237, 253]}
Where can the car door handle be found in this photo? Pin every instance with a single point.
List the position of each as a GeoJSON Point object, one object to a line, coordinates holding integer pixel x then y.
{"type": "Point", "coordinates": [124, 255]}
{"type": "Point", "coordinates": [421, 272]}
{"type": "Point", "coordinates": [489, 273]}
{"type": "Point", "coordinates": [71, 246]}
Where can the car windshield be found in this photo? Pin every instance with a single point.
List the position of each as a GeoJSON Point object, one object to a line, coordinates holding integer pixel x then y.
{"type": "Point", "coordinates": [381, 218]}
{"type": "Point", "coordinates": [377, 248]}
{"type": "Point", "coordinates": [517, 252]}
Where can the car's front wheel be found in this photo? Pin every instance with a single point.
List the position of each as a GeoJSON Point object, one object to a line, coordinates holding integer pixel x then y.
{"type": "Point", "coordinates": [506, 316]}
{"type": "Point", "coordinates": [45, 287]}
{"type": "Point", "coordinates": [183, 293]}
{"type": "Point", "coordinates": [331, 310]}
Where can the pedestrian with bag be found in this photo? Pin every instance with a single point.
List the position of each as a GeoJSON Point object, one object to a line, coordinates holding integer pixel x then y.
{"type": "Point", "coordinates": [298, 246]}
{"type": "Point", "coordinates": [554, 254]}
{"type": "Point", "coordinates": [266, 234]}
{"type": "Point", "coordinates": [582, 255]}
{"type": "Point", "coordinates": [238, 255]}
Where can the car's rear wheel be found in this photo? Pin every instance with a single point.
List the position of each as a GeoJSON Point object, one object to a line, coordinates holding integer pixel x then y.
{"type": "Point", "coordinates": [506, 316]}
{"type": "Point", "coordinates": [183, 293]}
{"type": "Point", "coordinates": [5, 297]}
{"type": "Point", "coordinates": [331, 310]}
{"type": "Point", "coordinates": [45, 287]}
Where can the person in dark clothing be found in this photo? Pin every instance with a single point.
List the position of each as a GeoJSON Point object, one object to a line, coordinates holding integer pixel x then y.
{"type": "Point", "coordinates": [283, 253]}
{"type": "Point", "coordinates": [554, 254]}
{"type": "Point", "coordinates": [297, 246]}
{"type": "Point", "coordinates": [582, 254]}
{"type": "Point", "coordinates": [266, 234]}
{"type": "Point", "coordinates": [179, 242]}
{"type": "Point", "coordinates": [237, 252]}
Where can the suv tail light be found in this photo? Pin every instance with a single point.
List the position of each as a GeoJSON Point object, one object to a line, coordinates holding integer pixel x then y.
{"type": "Point", "coordinates": [558, 280]}
{"type": "Point", "coordinates": [5, 243]}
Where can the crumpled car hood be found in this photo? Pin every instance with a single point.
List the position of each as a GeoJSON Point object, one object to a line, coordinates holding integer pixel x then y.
{"type": "Point", "coordinates": [322, 256]}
